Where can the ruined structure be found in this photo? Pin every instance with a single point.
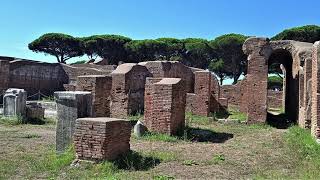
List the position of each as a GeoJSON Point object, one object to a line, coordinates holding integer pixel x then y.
{"type": "Point", "coordinates": [165, 105]}
{"type": "Point", "coordinates": [100, 139]}
{"type": "Point", "coordinates": [14, 102]}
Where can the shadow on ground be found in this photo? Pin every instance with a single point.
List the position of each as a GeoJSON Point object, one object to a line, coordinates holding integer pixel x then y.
{"type": "Point", "coordinates": [206, 135]}
{"type": "Point", "coordinates": [280, 121]}
{"type": "Point", "coordinates": [135, 161]}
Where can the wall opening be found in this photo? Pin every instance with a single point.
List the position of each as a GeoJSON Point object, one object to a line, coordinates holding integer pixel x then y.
{"type": "Point", "coordinates": [288, 113]}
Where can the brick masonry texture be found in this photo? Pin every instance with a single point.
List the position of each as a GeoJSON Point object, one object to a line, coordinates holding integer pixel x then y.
{"type": "Point", "coordinates": [99, 139]}
{"type": "Point", "coordinates": [71, 105]}
{"type": "Point", "coordinates": [127, 95]}
{"type": "Point", "coordinates": [315, 105]}
{"type": "Point", "coordinates": [165, 105]}
{"type": "Point", "coordinates": [202, 90]}
{"type": "Point", "coordinates": [100, 87]}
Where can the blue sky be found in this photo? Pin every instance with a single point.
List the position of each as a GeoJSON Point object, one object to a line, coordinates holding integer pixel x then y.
{"type": "Point", "coordinates": [24, 20]}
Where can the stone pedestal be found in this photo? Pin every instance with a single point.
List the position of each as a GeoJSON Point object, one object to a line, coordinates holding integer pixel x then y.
{"type": "Point", "coordinates": [71, 105]}
{"type": "Point", "coordinates": [14, 102]}
{"type": "Point", "coordinates": [100, 139]}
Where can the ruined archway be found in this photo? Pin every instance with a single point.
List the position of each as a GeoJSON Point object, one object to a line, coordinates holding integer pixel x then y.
{"type": "Point", "coordinates": [292, 55]}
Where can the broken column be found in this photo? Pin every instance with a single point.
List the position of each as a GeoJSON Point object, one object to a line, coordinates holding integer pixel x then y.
{"type": "Point", "coordinates": [70, 106]}
{"type": "Point", "coordinates": [100, 139]}
{"type": "Point", "coordinates": [14, 102]}
{"type": "Point", "coordinates": [100, 87]}
{"type": "Point", "coordinates": [165, 106]}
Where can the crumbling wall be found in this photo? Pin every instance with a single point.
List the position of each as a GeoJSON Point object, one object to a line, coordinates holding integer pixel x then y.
{"type": "Point", "coordinates": [128, 85]}
{"type": "Point", "coordinates": [36, 76]}
{"type": "Point", "coordinates": [4, 77]}
{"type": "Point", "coordinates": [315, 104]}
{"type": "Point", "coordinates": [100, 87]}
{"type": "Point", "coordinates": [171, 69]}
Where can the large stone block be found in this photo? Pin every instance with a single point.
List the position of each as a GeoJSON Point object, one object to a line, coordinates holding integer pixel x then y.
{"type": "Point", "coordinates": [14, 102]}
{"type": "Point", "coordinates": [35, 110]}
{"type": "Point", "coordinates": [71, 105]}
{"type": "Point", "coordinates": [100, 139]}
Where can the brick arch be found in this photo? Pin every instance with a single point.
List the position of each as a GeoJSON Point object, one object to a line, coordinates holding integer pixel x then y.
{"type": "Point", "coordinates": [262, 52]}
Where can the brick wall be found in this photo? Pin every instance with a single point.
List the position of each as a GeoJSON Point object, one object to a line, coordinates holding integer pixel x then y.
{"type": "Point", "coordinates": [165, 106]}
{"type": "Point", "coordinates": [315, 98]}
{"type": "Point", "coordinates": [100, 139]}
{"type": "Point", "coordinates": [202, 90]}
{"type": "Point", "coordinates": [100, 87]}
{"type": "Point", "coordinates": [307, 93]}
{"type": "Point", "coordinates": [4, 77]}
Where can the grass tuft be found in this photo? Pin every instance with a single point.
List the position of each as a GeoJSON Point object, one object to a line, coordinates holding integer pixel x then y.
{"type": "Point", "coordinates": [149, 136]}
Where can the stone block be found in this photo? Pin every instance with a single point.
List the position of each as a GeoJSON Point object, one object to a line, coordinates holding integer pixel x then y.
{"type": "Point", "coordinates": [35, 110]}
{"type": "Point", "coordinates": [14, 102]}
{"type": "Point", "coordinates": [71, 105]}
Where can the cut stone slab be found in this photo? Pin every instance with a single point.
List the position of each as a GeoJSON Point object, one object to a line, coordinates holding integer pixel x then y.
{"type": "Point", "coordinates": [71, 105]}
{"type": "Point", "coordinates": [14, 102]}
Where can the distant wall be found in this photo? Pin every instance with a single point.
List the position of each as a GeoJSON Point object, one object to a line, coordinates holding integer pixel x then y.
{"type": "Point", "coordinates": [274, 99]}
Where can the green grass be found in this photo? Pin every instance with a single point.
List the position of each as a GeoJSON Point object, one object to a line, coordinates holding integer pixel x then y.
{"type": "Point", "coordinates": [159, 137]}
{"type": "Point", "coordinates": [163, 156]}
{"type": "Point", "coordinates": [163, 177]}
{"type": "Point", "coordinates": [196, 119]}
{"type": "Point", "coordinates": [217, 158]}
{"type": "Point", "coordinates": [135, 117]}
{"type": "Point", "coordinates": [14, 120]}
{"type": "Point", "coordinates": [234, 113]}
{"type": "Point", "coordinates": [189, 162]}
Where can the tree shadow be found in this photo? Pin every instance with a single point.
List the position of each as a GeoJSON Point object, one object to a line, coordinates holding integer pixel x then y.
{"type": "Point", "coordinates": [206, 135]}
{"type": "Point", "coordinates": [280, 121]}
{"type": "Point", "coordinates": [133, 160]}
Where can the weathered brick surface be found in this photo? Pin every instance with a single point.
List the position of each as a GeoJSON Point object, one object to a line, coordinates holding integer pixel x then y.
{"type": "Point", "coordinates": [191, 102]}
{"type": "Point", "coordinates": [171, 69]}
{"type": "Point", "coordinates": [128, 84]}
{"type": "Point", "coordinates": [274, 99]}
{"type": "Point", "coordinates": [307, 93]}
{"type": "Point", "coordinates": [214, 94]}
{"type": "Point", "coordinates": [257, 75]}
{"type": "Point", "coordinates": [100, 139]}
{"type": "Point", "coordinates": [100, 87]}
{"type": "Point", "coordinates": [301, 118]}
{"type": "Point", "coordinates": [315, 105]}
{"type": "Point", "coordinates": [34, 110]}
{"type": "Point", "coordinates": [165, 105]}
{"type": "Point", "coordinates": [202, 90]}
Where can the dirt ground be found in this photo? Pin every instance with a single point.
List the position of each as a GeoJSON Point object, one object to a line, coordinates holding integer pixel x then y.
{"type": "Point", "coordinates": [234, 151]}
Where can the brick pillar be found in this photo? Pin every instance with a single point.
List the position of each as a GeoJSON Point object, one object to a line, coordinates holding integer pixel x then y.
{"type": "Point", "coordinates": [70, 106]}
{"type": "Point", "coordinates": [307, 92]}
{"type": "Point", "coordinates": [127, 95]}
{"type": "Point", "coordinates": [100, 87]}
{"type": "Point", "coordinates": [315, 104]}
{"type": "Point", "coordinates": [165, 106]}
{"type": "Point", "coordinates": [258, 53]}
{"type": "Point", "coordinates": [203, 93]}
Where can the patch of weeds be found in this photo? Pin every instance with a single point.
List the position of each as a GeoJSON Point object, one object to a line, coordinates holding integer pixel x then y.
{"type": "Point", "coordinates": [159, 137]}
{"type": "Point", "coordinates": [135, 161]}
{"type": "Point", "coordinates": [163, 177]}
{"type": "Point", "coordinates": [242, 117]}
{"type": "Point", "coordinates": [29, 136]}
{"type": "Point", "coordinates": [218, 158]}
{"type": "Point", "coordinates": [163, 156]}
{"type": "Point", "coordinates": [189, 162]}
{"type": "Point", "coordinates": [135, 117]}
{"type": "Point", "coordinates": [195, 119]}
{"type": "Point", "coordinates": [12, 120]}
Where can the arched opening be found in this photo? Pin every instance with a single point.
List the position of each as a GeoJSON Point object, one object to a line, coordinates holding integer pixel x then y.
{"type": "Point", "coordinates": [288, 113]}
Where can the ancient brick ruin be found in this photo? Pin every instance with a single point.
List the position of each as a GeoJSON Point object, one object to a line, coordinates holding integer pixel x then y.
{"type": "Point", "coordinates": [100, 139]}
